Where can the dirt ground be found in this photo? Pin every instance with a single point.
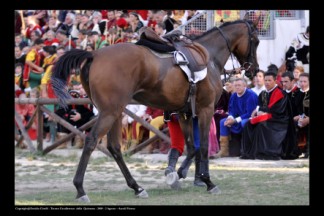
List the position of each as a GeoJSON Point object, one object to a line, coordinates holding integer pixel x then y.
{"type": "Point", "coordinates": [55, 171]}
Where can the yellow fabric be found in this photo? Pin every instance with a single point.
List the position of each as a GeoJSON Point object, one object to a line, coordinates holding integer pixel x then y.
{"type": "Point", "coordinates": [31, 55]}
{"type": "Point", "coordinates": [48, 73]}
{"type": "Point", "coordinates": [157, 123]}
{"type": "Point", "coordinates": [76, 78]}
{"type": "Point", "coordinates": [17, 79]}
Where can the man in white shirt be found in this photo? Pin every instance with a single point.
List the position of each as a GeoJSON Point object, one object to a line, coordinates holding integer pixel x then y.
{"type": "Point", "coordinates": [259, 82]}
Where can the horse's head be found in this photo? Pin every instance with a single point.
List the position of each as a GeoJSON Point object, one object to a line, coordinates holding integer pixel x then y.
{"type": "Point", "coordinates": [246, 50]}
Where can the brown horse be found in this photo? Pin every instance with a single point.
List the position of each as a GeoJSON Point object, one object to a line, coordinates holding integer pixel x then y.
{"type": "Point", "coordinates": [114, 75]}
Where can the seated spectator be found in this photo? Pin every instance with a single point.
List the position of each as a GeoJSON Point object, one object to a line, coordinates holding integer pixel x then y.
{"type": "Point", "coordinates": [82, 39]}
{"type": "Point", "coordinates": [31, 26]}
{"type": "Point", "coordinates": [290, 148]}
{"type": "Point", "coordinates": [112, 21]}
{"type": "Point", "coordinates": [264, 134]}
{"type": "Point", "coordinates": [19, 41]}
{"type": "Point", "coordinates": [97, 41]}
{"type": "Point", "coordinates": [89, 47]}
{"type": "Point", "coordinates": [68, 25]}
{"type": "Point", "coordinates": [150, 21]}
{"type": "Point", "coordinates": [99, 24]}
{"type": "Point", "coordinates": [273, 68]}
{"type": "Point", "coordinates": [160, 29]}
{"type": "Point", "coordinates": [242, 102]}
{"type": "Point", "coordinates": [135, 22]}
{"type": "Point", "coordinates": [130, 126]}
{"type": "Point", "coordinates": [18, 75]}
{"type": "Point", "coordinates": [20, 57]}
{"type": "Point", "coordinates": [155, 118]}
{"type": "Point", "coordinates": [25, 112]}
{"type": "Point", "coordinates": [85, 23]}
{"type": "Point", "coordinates": [297, 71]}
{"type": "Point", "coordinates": [50, 39]}
{"type": "Point", "coordinates": [259, 82]}
{"type": "Point", "coordinates": [77, 115]}
{"type": "Point", "coordinates": [302, 117]}
{"type": "Point", "coordinates": [64, 40]}
{"type": "Point", "coordinates": [221, 108]}
{"type": "Point", "coordinates": [163, 16]}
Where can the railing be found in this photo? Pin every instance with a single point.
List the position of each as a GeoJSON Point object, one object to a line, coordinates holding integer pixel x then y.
{"type": "Point", "coordinates": [39, 102]}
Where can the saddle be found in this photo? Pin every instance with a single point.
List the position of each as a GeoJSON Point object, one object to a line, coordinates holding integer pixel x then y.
{"type": "Point", "coordinates": [148, 33]}
{"type": "Point", "coordinates": [197, 56]}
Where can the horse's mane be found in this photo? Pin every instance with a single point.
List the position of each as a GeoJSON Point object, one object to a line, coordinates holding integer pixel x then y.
{"type": "Point", "coordinates": [195, 37]}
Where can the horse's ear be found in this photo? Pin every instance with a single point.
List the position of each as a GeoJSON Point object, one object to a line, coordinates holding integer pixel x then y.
{"type": "Point", "coordinates": [256, 21]}
{"type": "Point", "coordinates": [246, 16]}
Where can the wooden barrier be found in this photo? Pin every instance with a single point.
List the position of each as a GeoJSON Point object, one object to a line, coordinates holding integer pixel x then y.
{"type": "Point", "coordinates": [75, 131]}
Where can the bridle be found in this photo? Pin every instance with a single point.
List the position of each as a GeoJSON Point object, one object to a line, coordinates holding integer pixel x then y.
{"type": "Point", "coordinates": [246, 66]}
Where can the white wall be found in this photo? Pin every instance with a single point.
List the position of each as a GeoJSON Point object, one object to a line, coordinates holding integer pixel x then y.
{"type": "Point", "coordinates": [273, 51]}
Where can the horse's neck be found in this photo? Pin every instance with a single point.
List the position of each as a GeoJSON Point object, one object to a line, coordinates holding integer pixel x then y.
{"type": "Point", "coordinates": [217, 48]}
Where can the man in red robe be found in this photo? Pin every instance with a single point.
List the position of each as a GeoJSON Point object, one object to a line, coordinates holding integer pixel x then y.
{"type": "Point", "coordinates": [264, 134]}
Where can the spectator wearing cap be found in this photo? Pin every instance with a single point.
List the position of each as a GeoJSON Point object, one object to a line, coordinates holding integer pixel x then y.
{"type": "Point", "coordinates": [97, 40]}
{"type": "Point", "coordinates": [67, 43]}
{"type": "Point", "coordinates": [33, 71]}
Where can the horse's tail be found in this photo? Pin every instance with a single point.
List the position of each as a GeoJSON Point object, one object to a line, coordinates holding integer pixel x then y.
{"type": "Point", "coordinates": [71, 60]}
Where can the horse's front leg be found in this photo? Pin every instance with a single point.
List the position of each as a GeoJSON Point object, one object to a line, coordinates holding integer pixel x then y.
{"type": "Point", "coordinates": [113, 144]}
{"type": "Point", "coordinates": [204, 126]}
{"type": "Point", "coordinates": [101, 126]}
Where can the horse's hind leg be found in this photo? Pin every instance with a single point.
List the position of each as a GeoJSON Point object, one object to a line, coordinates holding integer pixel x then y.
{"type": "Point", "coordinates": [114, 139]}
{"type": "Point", "coordinates": [99, 129]}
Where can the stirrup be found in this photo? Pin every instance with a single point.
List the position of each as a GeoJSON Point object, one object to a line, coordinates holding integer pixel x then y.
{"type": "Point", "coordinates": [183, 61]}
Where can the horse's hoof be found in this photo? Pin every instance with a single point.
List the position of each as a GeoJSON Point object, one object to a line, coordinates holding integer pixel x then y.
{"type": "Point", "coordinates": [171, 178]}
{"type": "Point", "coordinates": [142, 194]}
{"type": "Point", "coordinates": [198, 182]}
{"type": "Point", "coordinates": [176, 185]}
{"type": "Point", "coordinates": [215, 190]}
{"type": "Point", "coordinates": [84, 199]}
